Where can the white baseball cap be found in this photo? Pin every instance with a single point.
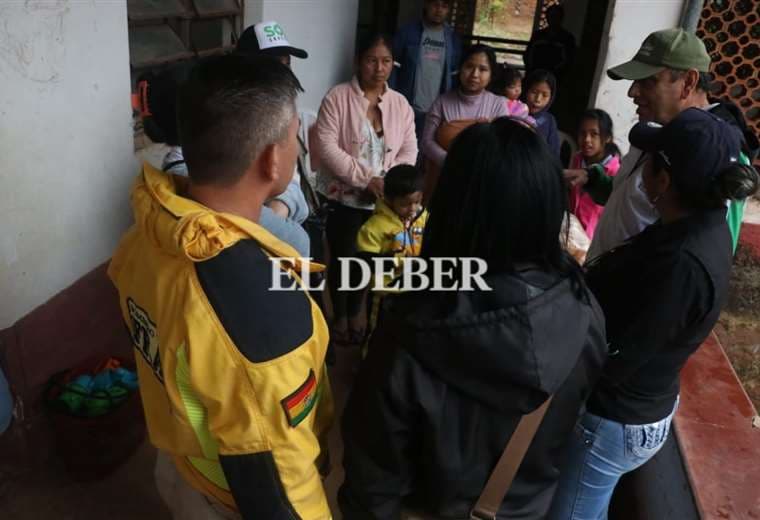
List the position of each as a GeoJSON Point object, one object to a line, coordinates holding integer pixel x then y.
{"type": "Point", "coordinates": [268, 38]}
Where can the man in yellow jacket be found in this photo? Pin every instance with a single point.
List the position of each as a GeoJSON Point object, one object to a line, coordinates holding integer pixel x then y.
{"type": "Point", "coordinates": [231, 373]}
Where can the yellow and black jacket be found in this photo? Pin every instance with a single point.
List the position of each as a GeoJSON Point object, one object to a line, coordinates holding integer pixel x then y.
{"type": "Point", "coordinates": [231, 373]}
{"type": "Point", "coordinates": [385, 234]}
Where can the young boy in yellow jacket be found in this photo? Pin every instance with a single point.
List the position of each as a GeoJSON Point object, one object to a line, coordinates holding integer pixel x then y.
{"type": "Point", "coordinates": [231, 372]}
{"type": "Point", "coordinates": [396, 227]}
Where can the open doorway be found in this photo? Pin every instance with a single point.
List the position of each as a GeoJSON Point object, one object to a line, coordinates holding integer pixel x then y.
{"type": "Point", "coordinates": [586, 60]}
{"type": "Point", "coordinates": [509, 26]}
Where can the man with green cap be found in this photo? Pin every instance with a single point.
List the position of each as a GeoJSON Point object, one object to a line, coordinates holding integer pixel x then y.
{"type": "Point", "coordinates": [670, 73]}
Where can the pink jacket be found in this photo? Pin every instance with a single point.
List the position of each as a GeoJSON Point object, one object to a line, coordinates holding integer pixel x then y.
{"type": "Point", "coordinates": [339, 136]}
{"type": "Point", "coordinates": [581, 203]}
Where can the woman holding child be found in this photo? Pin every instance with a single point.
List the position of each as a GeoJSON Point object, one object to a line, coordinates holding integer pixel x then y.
{"type": "Point", "coordinates": [364, 128]}
{"type": "Point", "coordinates": [450, 374]}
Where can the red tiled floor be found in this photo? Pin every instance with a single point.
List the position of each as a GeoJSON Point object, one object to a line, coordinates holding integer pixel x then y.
{"type": "Point", "coordinates": [720, 446]}
{"type": "Point", "coordinates": [750, 237]}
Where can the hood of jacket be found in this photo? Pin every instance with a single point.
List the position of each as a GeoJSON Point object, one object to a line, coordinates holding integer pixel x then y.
{"type": "Point", "coordinates": [540, 116]}
{"type": "Point", "coordinates": [182, 227]}
{"type": "Point", "coordinates": [732, 114]}
{"type": "Point", "coordinates": [509, 348]}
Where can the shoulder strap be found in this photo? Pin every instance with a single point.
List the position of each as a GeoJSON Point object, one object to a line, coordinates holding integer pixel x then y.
{"type": "Point", "coordinates": [503, 474]}
{"type": "Point", "coordinates": [309, 193]}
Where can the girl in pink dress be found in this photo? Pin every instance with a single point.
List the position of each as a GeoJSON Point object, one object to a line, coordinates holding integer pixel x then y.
{"type": "Point", "coordinates": [596, 145]}
{"type": "Point", "coordinates": [508, 83]}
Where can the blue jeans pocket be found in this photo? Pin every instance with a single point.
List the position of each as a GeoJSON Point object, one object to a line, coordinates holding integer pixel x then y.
{"type": "Point", "coordinates": [643, 441]}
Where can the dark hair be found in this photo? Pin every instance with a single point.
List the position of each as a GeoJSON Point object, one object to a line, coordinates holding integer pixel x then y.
{"type": "Point", "coordinates": [539, 76]}
{"type": "Point", "coordinates": [231, 108]}
{"type": "Point", "coordinates": [160, 89]}
{"type": "Point", "coordinates": [505, 76]}
{"type": "Point", "coordinates": [500, 197]}
{"type": "Point", "coordinates": [402, 180]}
{"type": "Point", "coordinates": [703, 83]}
{"type": "Point", "coordinates": [366, 43]}
{"type": "Point", "coordinates": [477, 49]}
{"type": "Point", "coordinates": [604, 121]}
{"type": "Point", "coordinates": [735, 182]}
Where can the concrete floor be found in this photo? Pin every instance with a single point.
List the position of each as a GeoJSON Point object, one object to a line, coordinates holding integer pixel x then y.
{"type": "Point", "coordinates": [49, 494]}
{"type": "Point", "coordinates": [130, 493]}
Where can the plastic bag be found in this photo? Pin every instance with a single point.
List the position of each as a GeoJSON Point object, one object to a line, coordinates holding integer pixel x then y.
{"type": "Point", "coordinates": [574, 238]}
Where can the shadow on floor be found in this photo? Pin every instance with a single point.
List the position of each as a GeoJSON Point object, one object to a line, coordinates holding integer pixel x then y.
{"type": "Point", "coordinates": [130, 493]}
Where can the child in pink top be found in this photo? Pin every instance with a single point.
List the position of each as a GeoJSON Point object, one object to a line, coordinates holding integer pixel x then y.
{"type": "Point", "coordinates": [508, 83]}
{"type": "Point", "coordinates": [596, 147]}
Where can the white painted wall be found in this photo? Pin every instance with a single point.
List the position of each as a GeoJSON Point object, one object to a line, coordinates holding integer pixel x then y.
{"type": "Point", "coordinates": [326, 29]}
{"type": "Point", "coordinates": [66, 148]}
{"type": "Point", "coordinates": [629, 21]}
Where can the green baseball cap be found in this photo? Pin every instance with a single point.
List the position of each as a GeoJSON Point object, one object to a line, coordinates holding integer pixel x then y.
{"type": "Point", "coordinates": [667, 49]}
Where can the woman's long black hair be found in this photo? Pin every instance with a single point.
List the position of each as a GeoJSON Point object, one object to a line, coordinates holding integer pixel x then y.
{"type": "Point", "coordinates": [501, 197]}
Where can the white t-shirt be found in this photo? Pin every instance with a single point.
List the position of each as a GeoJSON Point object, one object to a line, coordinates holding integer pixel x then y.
{"type": "Point", "coordinates": [628, 210]}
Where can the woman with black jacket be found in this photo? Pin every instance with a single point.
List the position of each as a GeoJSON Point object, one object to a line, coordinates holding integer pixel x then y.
{"type": "Point", "coordinates": [450, 374]}
{"type": "Point", "coordinates": [661, 292]}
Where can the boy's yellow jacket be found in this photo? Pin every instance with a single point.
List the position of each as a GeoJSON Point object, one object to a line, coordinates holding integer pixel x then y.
{"type": "Point", "coordinates": [385, 234]}
{"type": "Point", "coordinates": [231, 373]}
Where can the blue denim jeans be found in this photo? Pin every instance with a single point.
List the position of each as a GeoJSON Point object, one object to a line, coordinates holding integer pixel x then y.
{"type": "Point", "coordinates": [600, 452]}
{"type": "Point", "coordinates": [6, 403]}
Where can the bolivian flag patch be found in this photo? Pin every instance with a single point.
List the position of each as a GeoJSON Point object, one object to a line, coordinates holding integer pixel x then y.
{"type": "Point", "coordinates": [298, 404]}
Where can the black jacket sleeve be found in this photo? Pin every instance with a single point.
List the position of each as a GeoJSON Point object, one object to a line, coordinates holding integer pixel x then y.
{"type": "Point", "coordinates": [255, 484]}
{"type": "Point", "coordinates": [377, 427]}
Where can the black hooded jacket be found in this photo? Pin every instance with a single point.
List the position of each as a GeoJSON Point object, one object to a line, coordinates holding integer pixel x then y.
{"type": "Point", "coordinates": [446, 381]}
{"type": "Point", "coordinates": [731, 113]}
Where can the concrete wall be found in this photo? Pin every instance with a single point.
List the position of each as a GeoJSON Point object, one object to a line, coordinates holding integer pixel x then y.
{"type": "Point", "coordinates": [326, 29]}
{"type": "Point", "coordinates": [66, 145]}
{"type": "Point", "coordinates": [629, 22]}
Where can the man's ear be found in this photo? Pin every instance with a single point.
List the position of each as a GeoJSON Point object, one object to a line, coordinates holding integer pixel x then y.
{"type": "Point", "coordinates": [690, 82]}
{"type": "Point", "coordinates": [268, 163]}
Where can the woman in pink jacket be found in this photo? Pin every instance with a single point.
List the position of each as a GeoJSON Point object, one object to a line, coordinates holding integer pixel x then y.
{"type": "Point", "coordinates": [363, 129]}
